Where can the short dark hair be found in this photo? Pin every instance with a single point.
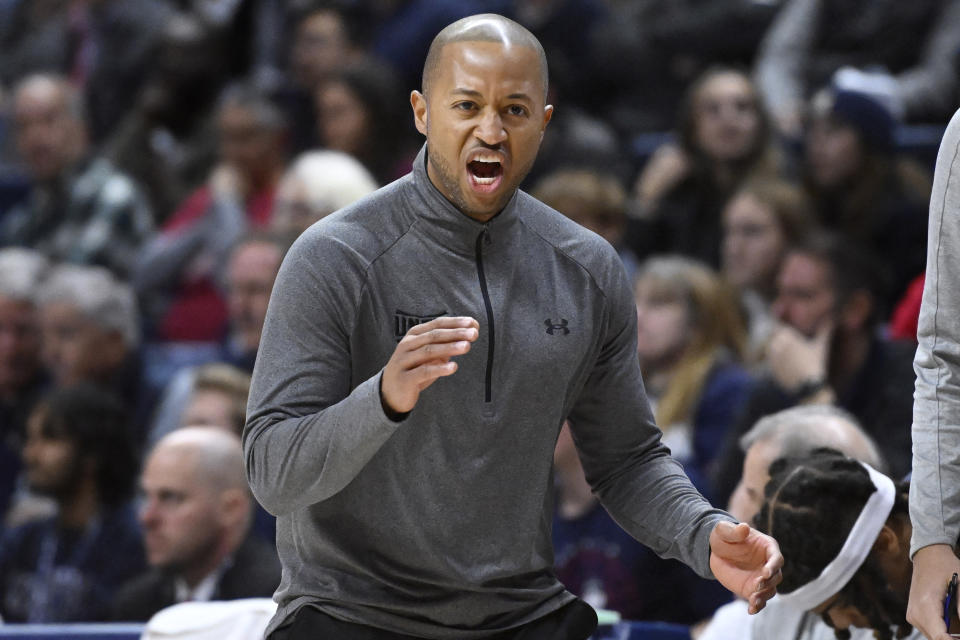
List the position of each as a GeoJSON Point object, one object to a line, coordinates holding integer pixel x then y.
{"type": "Point", "coordinates": [97, 424]}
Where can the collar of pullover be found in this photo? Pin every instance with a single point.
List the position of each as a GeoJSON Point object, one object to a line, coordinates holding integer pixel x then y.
{"type": "Point", "coordinates": [449, 225]}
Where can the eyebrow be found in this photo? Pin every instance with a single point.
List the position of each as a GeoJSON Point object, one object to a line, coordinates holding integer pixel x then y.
{"type": "Point", "coordinates": [476, 94]}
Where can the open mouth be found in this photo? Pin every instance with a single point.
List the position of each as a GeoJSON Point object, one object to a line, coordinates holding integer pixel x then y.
{"type": "Point", "coordinates": [485, 174]}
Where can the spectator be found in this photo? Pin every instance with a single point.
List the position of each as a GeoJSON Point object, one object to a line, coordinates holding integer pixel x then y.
{"type": "Point", "coordinates": [67, 568]}
{"type": "Point", "coordinates": [903, 50]}
{"type": "Point", "coordinates": [80, 209]}
{"type": "Point", "coordinates": [828, 510]}
{"type": "Point", "coordinates": [691, 340]}
{"type": "Point", "coordinates": [168, 140]}
{"type": "Point", "coordinates": [724, 138]}
{"type": "Point", "coordinates": [103, 46]}
{"type": "Point", "coordinates": [599, 562]}
{"type": "Point", "coordinates": [593, 199]}
{"type": "Point", "coordinates": [325, 38]}
{"type": "Point", "coordinates": [196, 518]}
{"type": "Point", "coordinates": [761, 220]}
{"type": "Point", "coordinates": [360, 112]}
{"type": "Point", "coordinates": [861, 188]}
{"type": "Point", "coordinates": [827, 350]}
{"type": "Point", "coordinates": [22, 378]}
{"type": "Point", "coordinates": [789, 433]}
{"type": "Point", "coordinates": [177, 273]}
{"type": "Point", "coordinates": [90, 330]}
{"type": "Point", "coordinates": [316, 184]}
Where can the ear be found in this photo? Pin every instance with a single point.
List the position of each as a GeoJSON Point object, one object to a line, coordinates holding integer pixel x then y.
{"type": "Point", "coordinates": [887, 542]}
{"type": "Point", "coordinates": [234, 506]}
{"type": "Point", "coordinates": [547, 114]}
{"type": "Point", "coordinates": [856, 310]}
{"type": "Point", "coordinates": [419, 103]}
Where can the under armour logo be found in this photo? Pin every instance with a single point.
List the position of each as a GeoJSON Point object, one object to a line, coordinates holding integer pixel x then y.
{"type": "Point", "coordinates": [557, 329]}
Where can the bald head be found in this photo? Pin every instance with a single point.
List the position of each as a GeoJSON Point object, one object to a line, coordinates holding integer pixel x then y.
{"type": "Point", "coordinates": [214, 456]}
{"type": "Point", "coordinates": [484, 27]}
{"type": "Point", "coordinates": [49, 124]}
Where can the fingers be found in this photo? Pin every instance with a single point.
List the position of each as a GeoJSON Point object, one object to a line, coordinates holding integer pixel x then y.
{"type": "Point", "coordinates": [444, 322]}
{"type": "Point", "coordinates": [732, 533]}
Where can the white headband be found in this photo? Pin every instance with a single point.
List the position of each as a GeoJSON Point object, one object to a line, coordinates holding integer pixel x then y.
{"type": "Point", "coordinates": [855, 550]}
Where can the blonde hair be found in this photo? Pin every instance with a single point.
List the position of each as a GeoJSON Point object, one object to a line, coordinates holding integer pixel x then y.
{"type": "Point", "coordinates": [716, 325]}
{"type": "Point", "coordinates": [232, 382]}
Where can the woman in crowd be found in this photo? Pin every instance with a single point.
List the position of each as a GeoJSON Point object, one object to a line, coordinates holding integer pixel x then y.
{"type": "Point", "coordinates": [761, 220]}
{"type": "Point", "coordinates": [723, 139]}
{"type": "Point", "coordinates": [691, 342]}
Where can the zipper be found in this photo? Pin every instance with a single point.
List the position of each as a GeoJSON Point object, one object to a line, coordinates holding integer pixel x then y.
{"type": "Point", "coordinates": [484, 238]}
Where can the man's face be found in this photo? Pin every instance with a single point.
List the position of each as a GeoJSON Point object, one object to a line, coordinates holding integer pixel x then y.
{"type": "Point", "coordinates": [180, 513]}
{"type": "Point", "coordinates": [246, 143]}
{"type": "Point", "coordinates": [805, 295]}
{"type": "Point", "coordinates": [75, 348]}
{"type": "Point", "coordinates": [484, 118]}
{"type": "Point", "coordinates": [52, 464]}
{"type": "Point", "coordinates": [747, 498]}
{"type": "Point", "coordinates": [250, 275]}
{"type": "Point", "coordinates": [19, 344]}
{"type": "Point", "coordinates": [48, 136]}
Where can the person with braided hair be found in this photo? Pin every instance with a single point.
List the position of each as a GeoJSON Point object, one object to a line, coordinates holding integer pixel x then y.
{"type": "Point", "coordinates": [844, 530]}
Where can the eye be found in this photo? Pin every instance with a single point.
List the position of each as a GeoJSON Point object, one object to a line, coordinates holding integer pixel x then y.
{"type": "Point", "coordinates": [465, 105]}
{"type": "Point", "coordinates": [517, 110]}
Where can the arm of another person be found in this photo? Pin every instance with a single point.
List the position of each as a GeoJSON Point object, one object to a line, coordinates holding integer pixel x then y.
{"type": "Point", "coordinates": [783, 56]}
{"type": "Point", "coordinates": [643, 488]}
{"type": "Point", "coordinates": [935, 485]}
{"type": "Point", "coordinates": [929, 88]}
{"type": "Point", "coordinates": [309, 432]}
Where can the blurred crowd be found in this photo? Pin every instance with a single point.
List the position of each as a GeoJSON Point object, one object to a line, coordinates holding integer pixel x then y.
{"type": "Point", "coordinates": [749, 159]}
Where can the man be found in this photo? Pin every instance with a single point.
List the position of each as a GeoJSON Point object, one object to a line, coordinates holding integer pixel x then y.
{"type": "Point", "coordinates": [828, 351]}
{"type": "Point", "coordinates": [196, 518]}
{"type": "Point", "coordinates": [410, 505]}
{"type": "Point", "coordinates": [176, 275]}
{"type": "Point", "coordinates": [22, 379]}
{"type": "Point", "coordinates": [67, 568]}
{"type": "Point", "coordinates": [935, 486]}
{"type": "Point", "coordinates": [789, 433]}
{"type": "Point", "coordinates": [80, 209]}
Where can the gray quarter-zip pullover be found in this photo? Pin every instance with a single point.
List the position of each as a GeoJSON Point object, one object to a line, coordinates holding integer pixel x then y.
{"type": "Point", "coordinates": [438, 526]}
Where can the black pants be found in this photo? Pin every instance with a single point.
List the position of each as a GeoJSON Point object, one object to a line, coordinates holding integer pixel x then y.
{"type": "Point", "coordinates": [574, 621]}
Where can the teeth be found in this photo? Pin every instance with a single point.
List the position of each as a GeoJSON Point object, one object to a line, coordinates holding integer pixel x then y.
{"type": "Point", "coordinates": [491, 159]}
{"type": "Point", "coordinates": [479, 180]}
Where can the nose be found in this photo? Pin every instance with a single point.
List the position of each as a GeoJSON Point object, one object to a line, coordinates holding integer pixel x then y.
{"type": "Point", "coordinates": [490, 128]}
{"type": "Point", "coordinates": [148, 513]}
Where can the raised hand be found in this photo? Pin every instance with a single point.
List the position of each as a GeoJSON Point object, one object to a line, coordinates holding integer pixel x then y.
{"type": "Point", "coordinates": [423, 355]}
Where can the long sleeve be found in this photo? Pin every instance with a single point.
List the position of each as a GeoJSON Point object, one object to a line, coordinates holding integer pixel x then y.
{"type": "Point", "coordinates": [308, 432]}
{"type": "Point", "coordinates": [643, 488]}
{"type": "Point", "coordinates": [935, 487]}
{"type": "Point", "coordinates": [929, 88]}
{"type": "Point", "coordinates": [784, 53]}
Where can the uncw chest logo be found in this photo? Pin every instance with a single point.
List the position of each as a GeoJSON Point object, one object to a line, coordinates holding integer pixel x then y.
{"type": "Point", "coordinates": [403, 321]}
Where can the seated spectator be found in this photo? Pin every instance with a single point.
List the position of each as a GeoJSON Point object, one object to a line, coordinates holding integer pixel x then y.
{"type": "Point", "coordinates": [196, 518]}
{"type": "Point", "coordinates": [168, 140]}
{"type": "Point", "coordinates": [593, 199]}
{"type": "Point", "coordinates": [22, 379]}
{"type": "Point", "coordinates": [80, 209]}
{"type": "Point", "coordinates": [862, 189]}
{"type": "Point", "coordinates": [67, 568]}
{"type": "Point", "coordinates": [760, 221]}
{"type": "Point", "coordinates": [905, 51]}
{"type": "Point", "coordinates": [325, 38]}
{"type": "Point", "coordinates": [177, 272]}
{"type": "Point", "coordinates": [317, 184]}
{"type": "Point", "coordinates": [724, 138]}
{"type": "Point", "coordinates": [691, 340]}
{"type": "Point", "coordinates": [218, 398]}
{"type": "Point", "coordinates": [604, 566]}
{"type": "Point", "coordinates": [359, 112]}
{"type": "Point", "coordinates": [844, 530]}
{"type": "Point", "coordinates": [827, 351]}
{"type": "Point", "coordinates": [792, 432]}
{"type": "Point", "coordinates": [90, 332]}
